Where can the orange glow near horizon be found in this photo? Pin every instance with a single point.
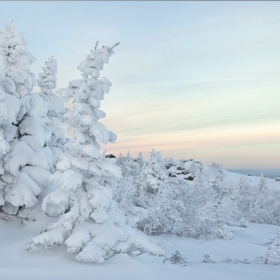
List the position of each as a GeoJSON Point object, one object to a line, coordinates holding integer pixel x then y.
{"type": "Point", "coordinates": [234, 147]}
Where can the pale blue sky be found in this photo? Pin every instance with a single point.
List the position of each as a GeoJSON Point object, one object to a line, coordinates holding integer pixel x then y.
{"type": "Point", "coordinates": [191, 79]}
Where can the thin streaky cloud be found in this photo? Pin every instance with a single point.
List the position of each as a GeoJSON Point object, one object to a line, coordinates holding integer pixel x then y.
{"type": "Point", "coordinates": [163, 84]}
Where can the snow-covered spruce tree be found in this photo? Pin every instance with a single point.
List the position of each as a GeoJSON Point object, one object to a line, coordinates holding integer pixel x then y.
{"type": "Point", "coordinates": [210, 220]}
{"type": "Point", "coordinates": [152, 177]}
{"type": "Point", "coordinates": [161, 199]}
{"type": "Point", "coordinates": [140, 159]}
{"type": "Point", "coordinates": [228, 211]}
{"type": "Point", "coordinates": [195, 198]}
{"type": "Point", "coordinates": [229, 206]}
{"type": "Point", "coordinates": [258, 204]}
{"type": "Point", "coordinates": [93, 227]}
{"type": "Point", "coordinates": [172, 205]}
{"type": "Point", "coordinates": [17, 61]}
{"type": "Point", "coordinates": [273, 202]}
{"type": "Point", "coordinates": [154, 173]}
{"type": "Point", "coordinates": [27, 164]}
{"type": "Point", "coordinates": [245, 197]}
{"type": "Point", "coordinates": [272, 255]}
{"type": "Point", "coordinates": [261, 209]}
{"type": "Point", "coordinates": [126, 190]}
{"type": "Point", "coordinates": [56, 109]}
{"type": "Point", "coordinates": [9, 108]}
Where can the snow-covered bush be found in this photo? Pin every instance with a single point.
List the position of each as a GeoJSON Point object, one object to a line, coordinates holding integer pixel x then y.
{"type": "Point", "coordinates": [126, 190]}
{"type": "Point", "coordinates": [208, 202]}
{"type": "Point", "coordinates": [176, 258]}
{"type": "Point", "coordinates": [207, 206]}
{"type": "Point", "coordinates": [161, 196]}
{"type": "Point", "coordinates": [258, 204]}
{"type": "Point", "coordinates": [93, 227]}
{"type": "Point", "coordinates": [272, 255]}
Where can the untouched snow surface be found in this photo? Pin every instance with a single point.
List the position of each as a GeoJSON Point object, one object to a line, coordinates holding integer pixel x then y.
{"type": "Point", "coordinates": [15, 263]}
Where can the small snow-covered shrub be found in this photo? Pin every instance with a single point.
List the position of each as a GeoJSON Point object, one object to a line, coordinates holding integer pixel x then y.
{"type": "Point", "coordinates": [176, 258]}
{"type": "Point", "coordinates": [272, 255]}
{"type": "Point", "coordinates": [162, 196]}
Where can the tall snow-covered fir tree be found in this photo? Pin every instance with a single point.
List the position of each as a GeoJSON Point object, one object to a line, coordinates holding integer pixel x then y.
{"type": "Point", "coordinates": [29, 160]}
{"type": "Point", "coordinates": [56, 109]}
{"type": "Point", "coordinates": [9, 108]}
{"type": "Point", "coordinates": [93, 227]}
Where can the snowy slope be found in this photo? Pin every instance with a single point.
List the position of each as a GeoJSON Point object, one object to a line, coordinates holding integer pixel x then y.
{"type": "Point", "coordinates": [228, 255]}
{"type": "Point", "coordinates": [54, 264]}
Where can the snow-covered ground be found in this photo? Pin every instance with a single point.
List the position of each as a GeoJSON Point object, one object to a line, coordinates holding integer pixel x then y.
{"type": "Point", "coordinates": [248, 243]}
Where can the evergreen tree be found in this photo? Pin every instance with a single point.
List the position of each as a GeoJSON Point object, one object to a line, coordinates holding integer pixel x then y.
{"type": "Point", "coordinates": [140, 160]}
{"type": "Point", "coordinates": [246, 196]}
{"type": "Point", "coordinates": [93, 227]}
{"type": "Point", "coordinates": [9, 108]}
{"type": "Point", "coordinates": [209, 220]}
{"type": "Point", "coordinates": [272, 255]}
{"type": "Point", "coordinates": [154, 174]}
{"type": "Point", "coordinates": [196, 199]}
{"type": "Point", "coordinates": [162, 198]}
{"type": "Point", "coordinates": [17, 61]}
{"type": "Point", "coordinates": [127, 191]}
{"type": "Point", "coordinates": [47, 83]}
{"type": "Point", "coordinates": [29, 160]}
{"type": "Point", "coordinates": [261, 210]}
